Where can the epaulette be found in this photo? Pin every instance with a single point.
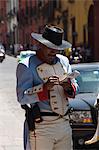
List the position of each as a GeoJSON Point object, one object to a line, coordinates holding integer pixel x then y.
{"type": "Point", "coordinates": [24, 61]}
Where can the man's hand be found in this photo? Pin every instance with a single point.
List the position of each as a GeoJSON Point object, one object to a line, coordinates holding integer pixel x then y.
{"type": "Point", "coordinates": [67, 86]}
{"type": "Point", "coordinates": [53, 80]}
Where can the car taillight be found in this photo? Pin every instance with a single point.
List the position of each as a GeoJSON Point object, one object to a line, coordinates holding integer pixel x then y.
{"type": "Point", "coordinates": [87, 120]}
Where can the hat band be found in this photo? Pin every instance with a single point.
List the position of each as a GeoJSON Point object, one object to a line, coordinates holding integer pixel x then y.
{"type": "Point", "coordinates": [52, 36]}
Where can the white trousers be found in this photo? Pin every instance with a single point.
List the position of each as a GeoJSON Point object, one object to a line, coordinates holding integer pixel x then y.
{"type": "Point", "coordinates": [51, 135]}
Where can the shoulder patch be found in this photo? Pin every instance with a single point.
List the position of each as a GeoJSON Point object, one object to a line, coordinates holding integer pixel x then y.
{"type": "Point", "coordinates": [25, 61]}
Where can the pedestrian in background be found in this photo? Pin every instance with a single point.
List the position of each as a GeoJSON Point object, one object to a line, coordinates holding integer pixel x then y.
{"type": "Point", "coordinates": [43, 92]}
{"type": "Point", "coordinates": [68, 52]}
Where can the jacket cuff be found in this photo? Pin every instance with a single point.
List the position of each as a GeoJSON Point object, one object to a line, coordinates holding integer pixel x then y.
{"type": "Point", "coordinates": [70, 93]}
{"type": "Point", "coordinates": [34, 90]}
{"type": "Point", "coordinates": [40, 90]}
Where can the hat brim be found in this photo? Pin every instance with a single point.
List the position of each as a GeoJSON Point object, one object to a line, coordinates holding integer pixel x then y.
{"type": "Point", "coordinates": [47, 43]}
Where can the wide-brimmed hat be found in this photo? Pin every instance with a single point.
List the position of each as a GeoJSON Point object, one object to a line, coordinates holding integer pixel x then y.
{"type": "Point", "coordinates": [52, 38]}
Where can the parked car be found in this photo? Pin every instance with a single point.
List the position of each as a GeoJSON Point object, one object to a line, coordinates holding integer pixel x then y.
{"type": "Point", "coordinates": [83, 115]}
{"type": "Point", "coordinates": [2, 53]}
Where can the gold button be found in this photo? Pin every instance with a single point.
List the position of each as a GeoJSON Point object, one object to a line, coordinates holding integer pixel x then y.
{"type": "Point", "coordinates": [55, 107]}
{"type": "Point", "coordinates": [53, 96]}
{"type": "Point", "coordinates": [41, 70]}
{"type": "Point", "coordinates": [51, 89]}
{"type": "Point", "coordinates": [64, 73]}
{"type": "Point", "coordinates": [54, 102]}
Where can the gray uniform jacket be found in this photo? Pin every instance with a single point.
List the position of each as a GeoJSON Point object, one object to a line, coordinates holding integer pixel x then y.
{"type": "Point", "coordinates": [32, 73]}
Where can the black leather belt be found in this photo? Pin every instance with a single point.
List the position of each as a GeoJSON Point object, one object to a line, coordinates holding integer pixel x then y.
{"type": "Point", "coordinates": [52, 114]}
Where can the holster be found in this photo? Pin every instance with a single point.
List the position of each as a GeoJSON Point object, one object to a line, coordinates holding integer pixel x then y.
{"type": "Point", "coordinates": [32, 115]}
{"type": "Point", "coordinates": [30, 120]}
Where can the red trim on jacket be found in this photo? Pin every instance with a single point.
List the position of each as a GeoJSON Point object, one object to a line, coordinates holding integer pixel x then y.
{"type": "Point", "coordinates": [43, 96]}
{"type": "Point", "coordinates": [73, 90]}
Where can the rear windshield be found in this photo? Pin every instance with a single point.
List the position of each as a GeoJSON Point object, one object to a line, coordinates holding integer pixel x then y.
{"type": "Point", "coordinates": [88, 81]}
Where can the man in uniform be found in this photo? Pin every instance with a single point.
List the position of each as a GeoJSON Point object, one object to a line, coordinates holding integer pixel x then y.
{"type": "Point", "coordinates": [42, 87]}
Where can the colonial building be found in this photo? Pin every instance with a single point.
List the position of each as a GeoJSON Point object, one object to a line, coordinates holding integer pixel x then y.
{"type": "Point", "coordinates": [74, 18]}
{"type": "Point", "coordinates": [78, 18]}
{"type": "Point", "coordinates": [33, 15]}
{"type": "Point", "coordinates": [3, 22]}
{"type": "Point", "coordinates": [96, 30]}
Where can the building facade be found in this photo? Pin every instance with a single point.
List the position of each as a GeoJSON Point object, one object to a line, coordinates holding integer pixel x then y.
{"type": "Point", "coordinates": [32, 16]}
{"type": "Point", "coordinates": [78, 18]}
{"type": "Point", "coordinates": [74, 18]}
{"type": "Point", "coordinates": [96, 30]}
{"type": "Point", "coordinates": [3, 22]}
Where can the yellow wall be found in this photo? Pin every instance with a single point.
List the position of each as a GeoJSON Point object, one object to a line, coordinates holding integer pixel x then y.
{"type": "Point", "coordinates": [79, 9]}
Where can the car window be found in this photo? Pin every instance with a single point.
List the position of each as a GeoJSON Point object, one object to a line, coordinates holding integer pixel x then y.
{"type": "Point", "coordinates": [88, 81]}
